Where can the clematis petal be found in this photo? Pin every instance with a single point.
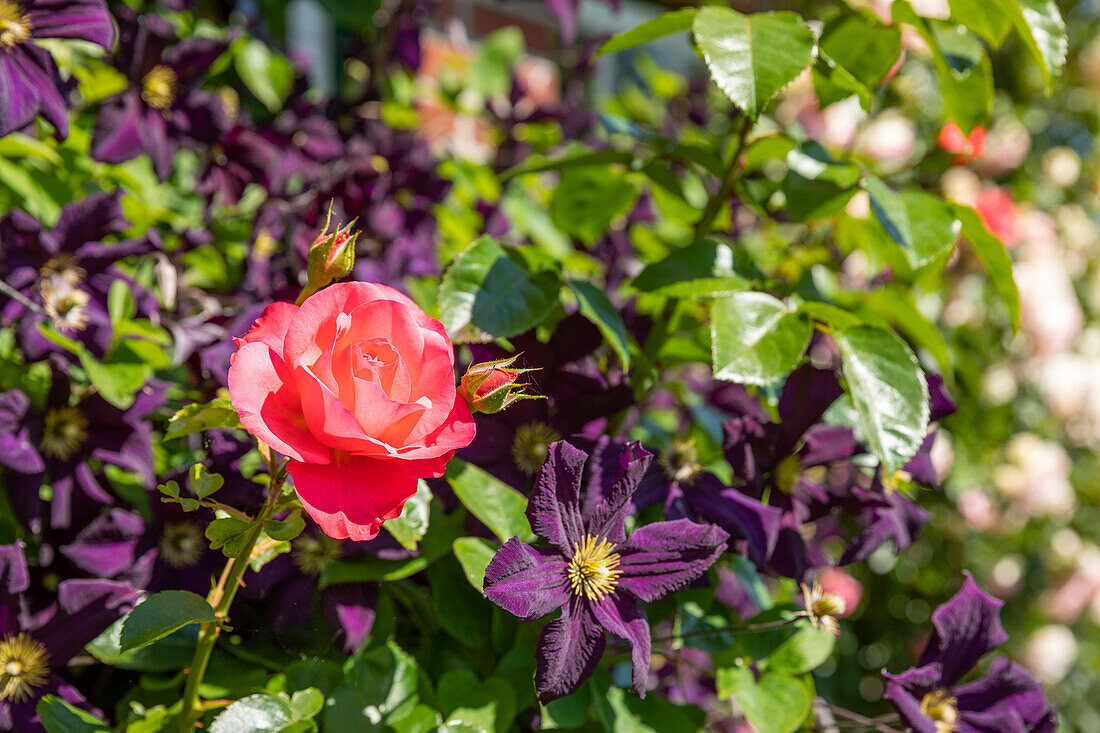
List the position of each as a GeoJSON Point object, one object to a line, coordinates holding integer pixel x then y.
{"type": "Point", "coordinates": [661, 558]}
{"type": "Point", "coordinates": [607, 516]}
{"type": "Point", "coordinates": [85, 609]}
{"type": "Point", "coordinates": [553, 507]}
{"type": "Point", "coordinates": [263, 394]}
{"type": "Point", "coordinates": [351, 496]}
{"type": "Point", "coordinates": [87, 20]}
{"type": "Point", "coordinates": [14, 576]}
{"type": "Point", "coordinates": [741, 516]}
{"type": "Point", "coordinates": [624, 617]}
{"type": "Point", "coordinates": [349, 609]}
{"type": "Point", "coordinates": [806, 396]}
{"type": "Point", "coordinates": [527, 582]}
{"type": "Point", "coordinates": [967, 627]}
{"type": "Point", "coordinates": [88, 220]}
{"type": "Point", "coordinates": [568, 651]}
{"type": "Point", "coordinates": [117, 136]}
{"type": "Point", "coordinates": [1005, 690]}
{"type": "Point", "coordinates": [906, 690]}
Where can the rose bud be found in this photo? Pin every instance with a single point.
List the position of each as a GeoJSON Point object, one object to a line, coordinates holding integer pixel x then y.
{"type": "Point", "coordinates": [953, 140]}
{"type": "Point", "coordinates": [331, 257]}
{"type": "Point", "coordinates": [490, 386]}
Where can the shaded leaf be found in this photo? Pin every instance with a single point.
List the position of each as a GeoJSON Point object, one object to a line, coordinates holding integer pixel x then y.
{"type": "Point", "coordinates": [499, 507]}
{"type": "Point", "coordinates": [665, 24]}
{"type": "Point", "coordinates": [162, 613]}
{"type": "Point", "coordinates": [994, 258]}
{"type": "Point", "coordinates": [598, 308]}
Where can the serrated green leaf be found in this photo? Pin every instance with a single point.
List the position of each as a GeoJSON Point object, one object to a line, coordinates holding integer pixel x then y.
{"type": "Point", "coordinates": [665, 24]}
{"type": "Point", "coordinates": [700, 269]}
{"type": "Point", "coordinates": [923, 225]}
{"type": "Point", "coordinates": [287, 529]}
{"type": "Point", "coordinates": [499, 507]}
{"type": "Point", "coordinates": [755, 338]}
{"type": "Point", "coordinates": [484, 288]}
{"type": "Point", "coordinates": [752, 57]}
{"type": "Point", "coordinates": [162, 613]}
{"type": "Point", "coordinates": [888, 392]}
{"type": "Point", "coordinates": [1040, 26]}
{"type": "Point", "coordinates": [588, 199]}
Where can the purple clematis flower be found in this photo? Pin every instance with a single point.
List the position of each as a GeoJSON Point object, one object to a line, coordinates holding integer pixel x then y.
{"type": "Point", "coordinates": [30, 84]}
{"type": "Point", "coordinates": [163, 104]}
{"type": "Point", "coordinates": [593, 571]}
{"type": "Point", "coordinates": [55, 444]}
{"type": "Point", "coordinates": [37, 640]}
{"type": "Point", "coordinates": [67, 270]}
{"type": "Point", "coordinates": [929, 697]}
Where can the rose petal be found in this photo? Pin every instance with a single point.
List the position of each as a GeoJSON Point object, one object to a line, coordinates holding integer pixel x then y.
{"type": "Point", "coordinates": [328, 419]}
{"type": "Point", "coordinates": [353, 495]}
{"type": "Point", "coordinates": [527, 582]}
{"type": "Point", "coordinates": [262, 392]}
{"type": "Point", "coordinates": [271, 327]}
{"type": "Point", "coordinates": [314, 327]}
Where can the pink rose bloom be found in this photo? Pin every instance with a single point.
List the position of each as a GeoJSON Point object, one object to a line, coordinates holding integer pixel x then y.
{"type": "Point", "coordinates": [357, 388]}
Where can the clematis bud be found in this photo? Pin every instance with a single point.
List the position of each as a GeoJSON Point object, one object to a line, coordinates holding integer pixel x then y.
{"type": "Point", "coordinates": [490, 386]}
{"type": "Point", "coordinates": [331, 256]}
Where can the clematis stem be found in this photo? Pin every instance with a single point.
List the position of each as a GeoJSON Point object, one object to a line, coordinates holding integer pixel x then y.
{"type": "Point", "coordinates": [221, 598]}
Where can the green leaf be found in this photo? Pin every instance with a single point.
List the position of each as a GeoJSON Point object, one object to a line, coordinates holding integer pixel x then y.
{"type": "Point", "coordinates": [410, 526]}
{"type": "Point", "coordinates": [384, 681]}
{"type": "Point", "coordinates": [598, 308]}
{"type": "Point", "coordinates": [776, 703]}
{"type": "Point", "coordinates": [588, 199]}
{"type": "Point", "coordinates": [962, 67]}
{"type": "Point", "coordinates": [700, 269]}
{"type": "Point", "coordinates": [162, 613]}
{"type": "Point", "coordinates": [484, 288]}
{"type": "Point", "coordinates": [988, 19]}
{"type": "Point", "coordinates": [816, 184]}
{"type": "Point", "coordinates": [755, 338]}
{"type": "Point", "coordinates": [228, 534]}
{"type": "Point", "coordinates": [888, 392]}
{"type": "Point", "coordinates": [474, 555]}
{"type": "Point", "coordinates": [1043, 31]}
{"type": "Point", "coordinates": [896, 303]}
{"type": "Point", "coordinates": [203, 483]}
{"type": "Point", "coordinates": [579, 158]}
{"type": "Point", "coordinates": [255, 714]}
{"type": "Point", "coordinates": [488, 704]}
{"type": "Point", "coordinates": [217, 413]}
{"type": "Point", "coordinates": [58, 716]}
{"type": "Point", "coordinates": [835, 316]}
{"type": "Point", "coordinates": [923, 225]}
{"type": "Point", "coordinates": [803, 651]}
{"type": "Point", "coordinates": [499, 507]}
{"type": "Point", "coordinates": [623, 713]}
{"type": "Point", "coordinates": [287, 529]}
{"type": "Point", "coordinates": [117, 383]}
{"type": "Point", "coordinates": [994, 258]}
{"type": "Point", "coordinates": [861, 45]}
{"type": "Point", "coordinates": [752, 57]}
{"type": "Point", "coordinates": [665, 24]}
{"type": "Point", "coordinates": [170, 653]}
{"type": "Point", "coordinates": [267, 74]}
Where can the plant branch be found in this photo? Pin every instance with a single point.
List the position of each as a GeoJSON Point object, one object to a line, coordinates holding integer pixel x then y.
{"type": "Point", "coordinates": [747, 629]}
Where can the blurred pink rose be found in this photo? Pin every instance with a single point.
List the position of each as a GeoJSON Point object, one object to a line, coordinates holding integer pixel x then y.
{"type": "Point", "coordinates": [838, 582]}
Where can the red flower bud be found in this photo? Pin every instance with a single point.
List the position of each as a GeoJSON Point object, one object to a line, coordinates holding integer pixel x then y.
{"type": "Point", "coordinates": [965, 147]}
{"type": "Point", "coordinates": [491, 386]}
